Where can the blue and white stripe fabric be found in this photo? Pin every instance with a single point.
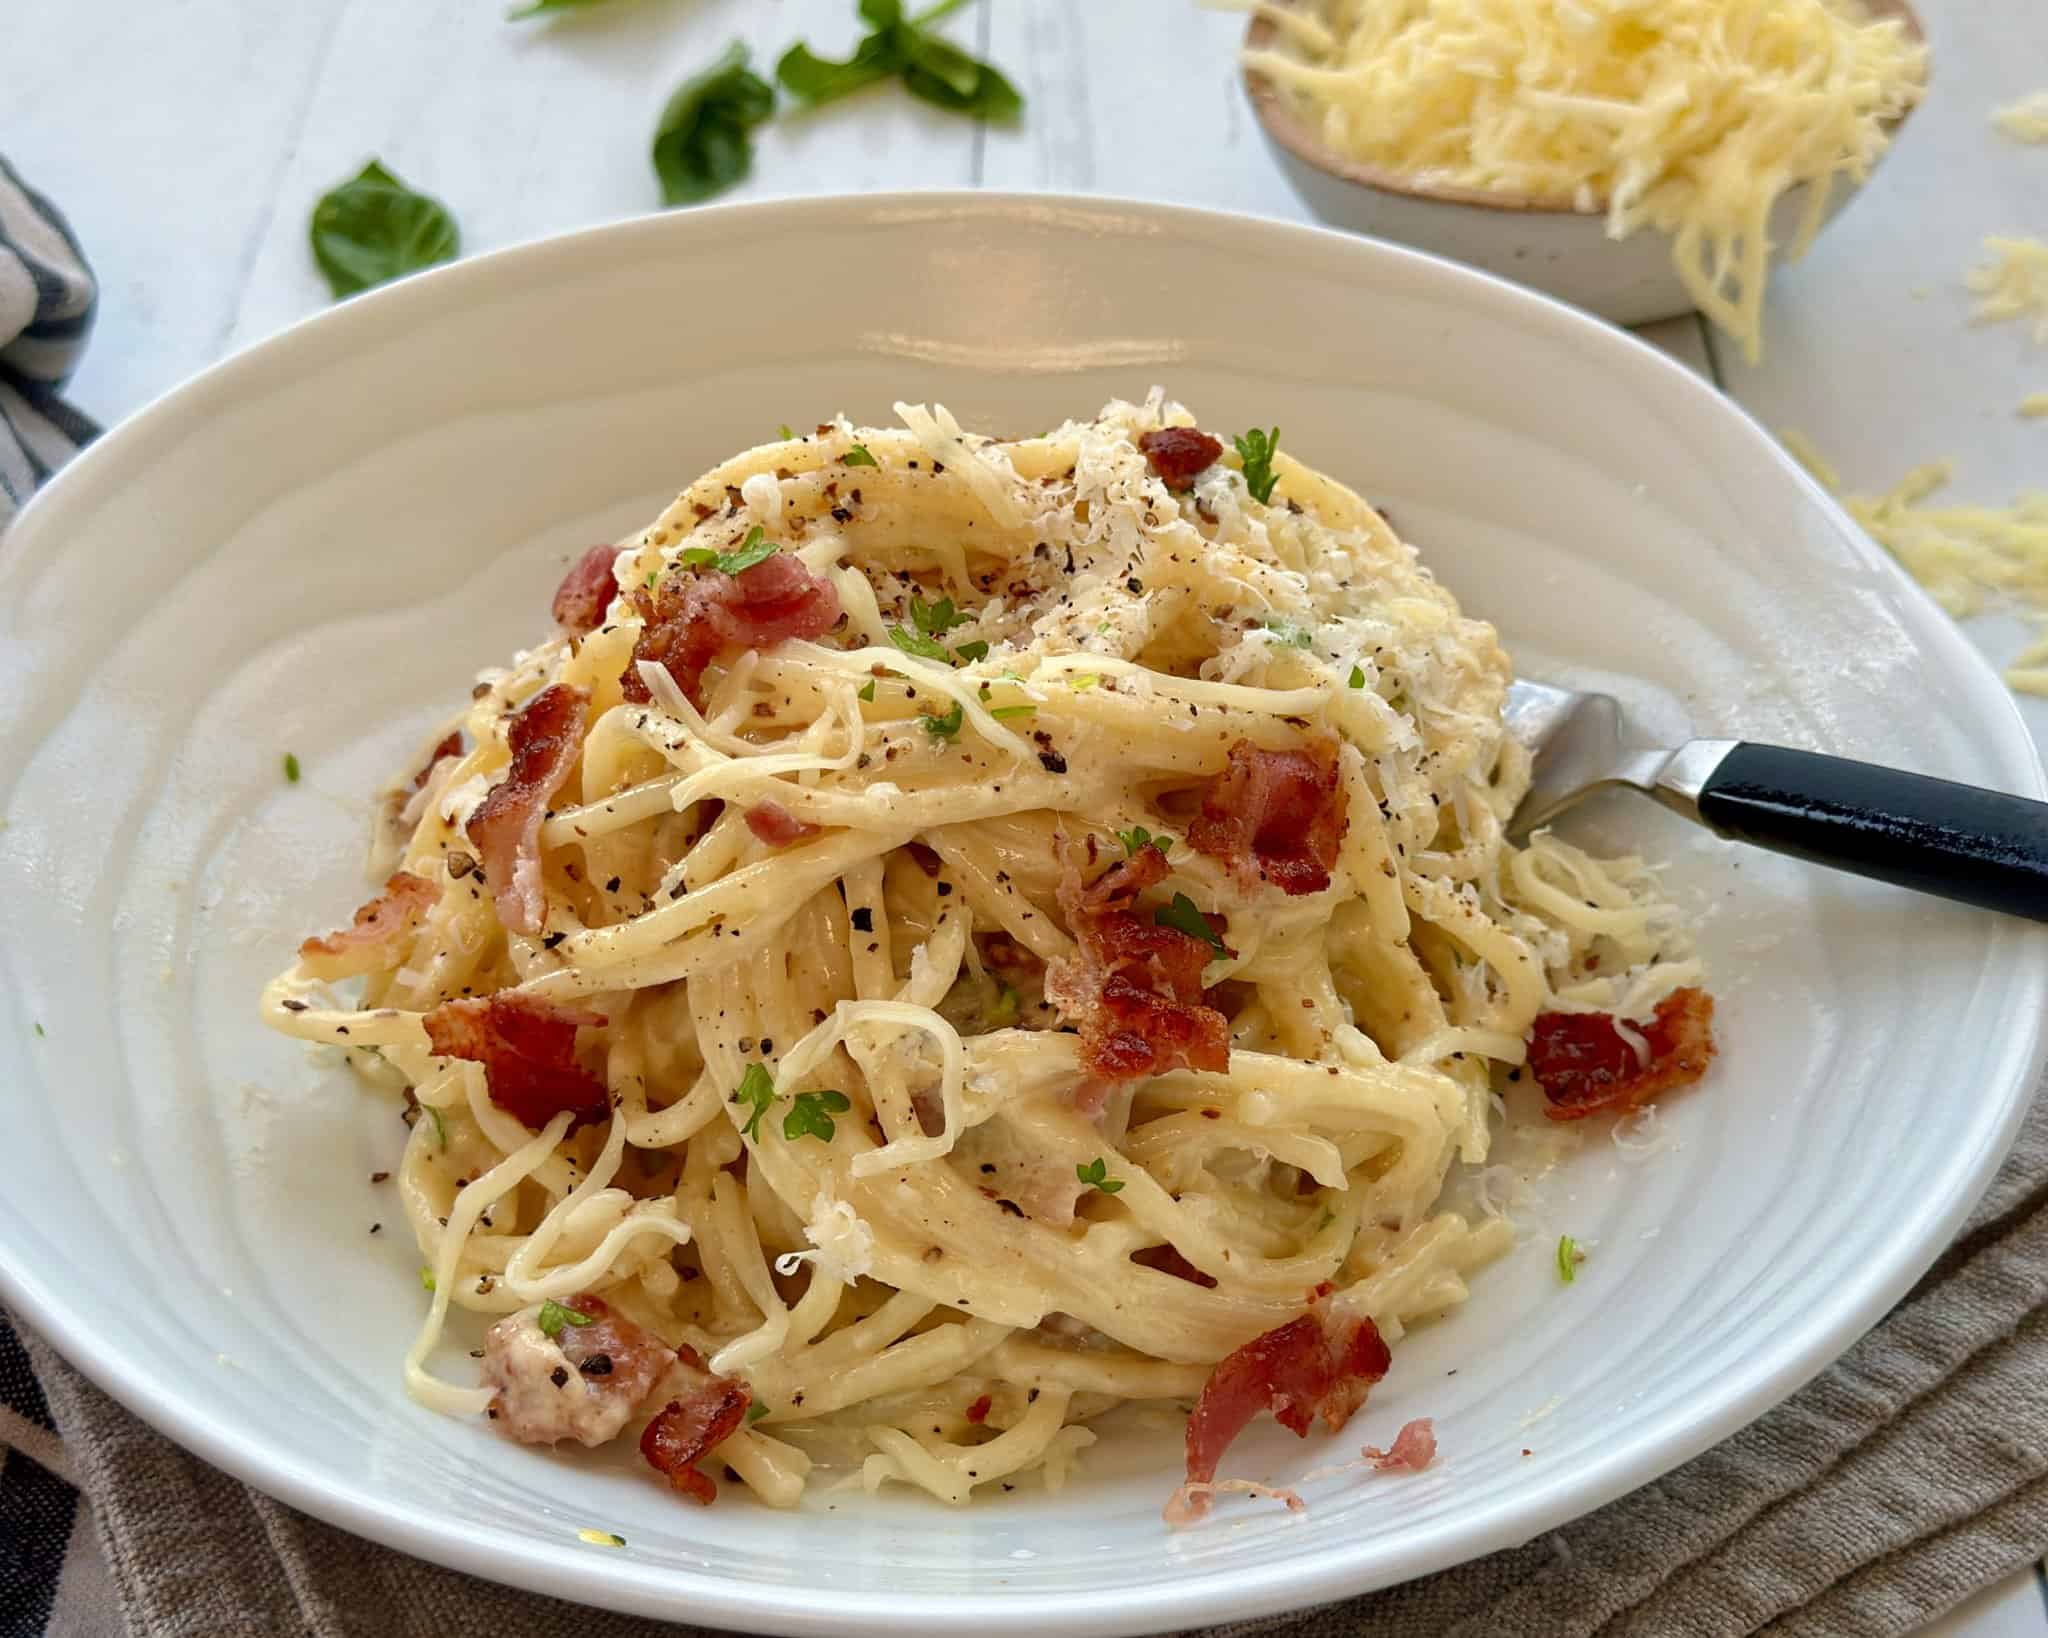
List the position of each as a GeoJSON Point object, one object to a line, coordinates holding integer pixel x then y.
{"type": "Point", "coordinates": [47, 299]}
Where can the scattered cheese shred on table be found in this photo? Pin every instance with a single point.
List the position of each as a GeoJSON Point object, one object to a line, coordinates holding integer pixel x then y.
{"type": "Point", "coordinates": [2014, 284]}
{"type": "Point", "coordinates": [1966, 556]}
{"type": "Point", "coordinates": [2025, 120]}
{"type": "Point", "coordinates": [1690, 116]}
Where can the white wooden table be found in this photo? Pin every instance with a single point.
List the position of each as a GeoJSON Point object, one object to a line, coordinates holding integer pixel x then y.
{"type": "Point", "coordinates": [188, 139]}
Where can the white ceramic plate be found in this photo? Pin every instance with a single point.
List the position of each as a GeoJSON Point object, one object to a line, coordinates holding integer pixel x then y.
{"type": "Point", "coordinates": [312, 547]}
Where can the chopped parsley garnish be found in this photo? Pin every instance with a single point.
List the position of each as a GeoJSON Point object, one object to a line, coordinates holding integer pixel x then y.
{"type": "Point", "coordinates": [1138, 836]}
{"type": "Point", "coordinates": [426, 1278]}
{"type": "Point", "coordinates": [968, 653]}
{"type": "Point", "coordinates": [1358, 676]}
{"type": "Point", "coordinates": [947, 726]}
{"type": "Point", "coordinates": [1001, 711]}
{"type": "Point", "coordinates": [1184, 916]}
{"type": "Point", "coordinates": [601, 1538]}
{"type": "Point", "coordinates": [868, 692]}
{"type": "Point", "coordinates": [553, 1316]}
{"type": "Point", "coordinates": [935, 619]}
{"type": "Point", "coordinates": [1096, 1175]}
{"type": "Point", "coordinates": [857, 456]}
{"type": "Point", "coordinates": [916, 642]}
{"type": "Point", "coordinates": [1569, 1256]}
{"type": "Point", "coordinates": [756, 548]}
{"type": "Point", "coordinates": [1256, 450]}
{"type": "Point", "coordinates": [704, 140]}
{"type": "Point", "coordinates": [787, 435]}
{"type": "Point", "coordinates": [810, 1115]}
{"type": "Point", "coordinates": [1286, 633]}
{"type": "Point", "coordinates": [291, 768]}
{"type": "Point", "coordinates": [757, 1087]}
{"type": "Point", "coordinates": [1004, 1012]}
{"type": "Point", "coordinates": [755, 1412]}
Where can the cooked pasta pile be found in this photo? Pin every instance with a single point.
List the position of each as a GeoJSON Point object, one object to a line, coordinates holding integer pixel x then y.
{"type": "Point", "coordinates": [955, 936]}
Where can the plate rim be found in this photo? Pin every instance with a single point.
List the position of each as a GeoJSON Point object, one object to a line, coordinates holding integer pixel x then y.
{"type": "Point", "coordinates": [1228, 1590]}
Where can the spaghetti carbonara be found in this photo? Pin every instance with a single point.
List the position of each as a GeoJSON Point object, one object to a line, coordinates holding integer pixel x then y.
{"type": "Point", "coordinates": [951, 936]}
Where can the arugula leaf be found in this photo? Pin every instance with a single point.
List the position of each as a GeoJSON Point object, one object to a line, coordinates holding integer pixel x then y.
{"type": "Point", "coordinates": [947, 726]}
{"type": "Point", "coordinates": [810, 1115]}
{"type": "Point", "coordinates": [916, 642]}
{"type": "Point", "coordinates": [1138, 836]}
{"type": "Point", "coordinates": [1184, 916]}
{"type": "Point", "coordinates": [857, 456]}
{"type": "Point", "coordinates": [373, 228]}
{"type": "Point", "coordinates": [291, 769]}
{"type": "Point", "coordinates": [555, 1315]}
{"type": "Point", "coordinates": [756, 548]}
{"type": "Point", "coordinates": [999, 712]}
{"type": "Point", "coordinates": [1569, 1256]}
{"type": "Point", "coordinates": [868, 692]}
{"type": "Point", "coordinates": [931, 68]}
{"type": "Point", "coordinates": [1358, 676]}
{"type": "Point", "coordinates": [968, 653]}
{"type": "Point", "coordinates": [757, 1087]}
{"type": "Point", "coordinates": [1096, 1172]}
{"type": "Point", "coordinates": [703, 142]}
{"type": "Point", "coordinates": [1256, 450]}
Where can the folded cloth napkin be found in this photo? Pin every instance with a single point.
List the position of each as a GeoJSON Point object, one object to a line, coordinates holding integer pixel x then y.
{"type": "Point", "coordinates": [1904, 1478]}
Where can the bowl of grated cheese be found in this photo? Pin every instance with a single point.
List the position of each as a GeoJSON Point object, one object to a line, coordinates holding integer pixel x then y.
{"type": "Point", "coordinates": [1640, 159]}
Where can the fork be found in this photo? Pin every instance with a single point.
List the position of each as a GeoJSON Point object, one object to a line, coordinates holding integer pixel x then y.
{"type": "Point", "coordinates": [1932, 835]}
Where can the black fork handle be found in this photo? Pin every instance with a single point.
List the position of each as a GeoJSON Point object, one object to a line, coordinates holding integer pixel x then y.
{"type": "Point", "coordinates": [1932, 835]}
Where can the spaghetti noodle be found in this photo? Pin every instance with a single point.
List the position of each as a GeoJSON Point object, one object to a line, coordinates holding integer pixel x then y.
{"type": "Point", "coordinates": [969, 935]}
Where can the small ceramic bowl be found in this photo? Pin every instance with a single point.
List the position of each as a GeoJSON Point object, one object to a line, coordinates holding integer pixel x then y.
{"type": "Point", "coordinates": [1564, 252]}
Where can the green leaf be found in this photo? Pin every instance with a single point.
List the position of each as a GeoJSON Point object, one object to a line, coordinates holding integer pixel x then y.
{"type": "Point", "coordinates": [931, 68]}
{"type": "Point", "coordinates": [810, 1115]}
{"type": "Point", "coordinates": [426, 1278]}
{"type": "Point", "coordinates": [945, 76]}
{"type": "Point", "coordinates": [815, 80]}
{"type": "Point", "coordinates": [440, 1125]}
{"type": "Point", "coordinates": [868, 692]}
{"type": "Point", "coordinates": [947, 726]}
{"type": "Point", "coordinates": [554, 1315]}
{"type": "Point", "coordinates": [757, 1087]}
{"type": "Point", "coordinates": [291, 769]}
{"type": "Point", "coordinates": [1569, 1256]}
{"type": "Point", "coordinates": [968, 653]}
{"type": "Point", "coordinates": [39, 1032]}
{"type": "Point", "coordinates": [1096, 1173]}
{"type": "Point", "coordinates": [787, 435]}
{"type": "Point", "coordinates": [601, 1538]}
{"type": "Point", "coordinates": [1183, 916]}
{"type": "Point", "coordinates": [935, 619]}
{"type": "Point", "coordinates": [1082, 683]}
{"type": "Point", "coordinates": [703, 142]}
{"type": "Point", "coordinates": [915, 642]}
{"type": "Point", "coordinates": [1004, 1012]}
{"type": "Point", "coordinates": [1358, 676]}
{"type": "Point", "coordinates": [1000, 712]}
{"type": "Point", "coordinates": [1138, 836]}
{"type": "Point", "coordinates": [373, 228]}
{"type": "Point", "coordinates": [857, 456]}
{"type": "Point", "coordinates": [541, 8]}
{"type": "Point", "coordinates": [1256, 450]}
{"type": "Point", "coordinates": [755, 1412]}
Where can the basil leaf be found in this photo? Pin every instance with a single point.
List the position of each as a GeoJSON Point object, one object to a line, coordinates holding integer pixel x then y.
{"type": "Point", "coordinates": [945, 76]}
{"type": "Point", "coordinates": [815, 80]}
{"type": "Point", "coordinates": [704, 142]}
{"type": "Point", "coordinates": [373, 228]}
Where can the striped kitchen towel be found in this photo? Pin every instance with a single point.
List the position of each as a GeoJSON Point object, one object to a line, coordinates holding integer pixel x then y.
{"type": "Point", "coordinates": [47, 298]}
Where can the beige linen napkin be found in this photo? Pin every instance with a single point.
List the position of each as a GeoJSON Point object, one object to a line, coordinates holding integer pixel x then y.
{"type": "Point", "coordinates": [1903, 1479]}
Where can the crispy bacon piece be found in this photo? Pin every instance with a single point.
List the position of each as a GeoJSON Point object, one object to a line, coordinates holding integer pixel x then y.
{"type": "Point", "coordinates": [1413, 1449]}
{"type": "Point", "coordinates": [586, 591]}
{"type": "Point", "coordinates": [451, 745]}
{"type": "Point", "coordinates": [1168, 1260]}
{"type": "Point", "coordinates": [373, 941]}
{"type": "Point", "coordinates": [527, 1046]}
{"type": "Point", "coordinates": [585, 1383]}
{"type": "Point", "coordinates": [706, 1411]}
{"type": "Point", "coordinates": [1134, 990]}
{"type": "Point", "coordinates": [505, 828]}
{"type": "Point", "coordinates": [692, 619]}
{"type": "Point", "coordinates": [1278, 815]}
{"type": "Point", "coordinates": [1317, 1365]}
{"type": "Point", "coordinates": [978, 1411]}
{"type": "Point", "coordinates": [775, 826]}
{"type": "Point", "coordinates": [1179, 455]}
{"type": "Point", "coordinates": [1584, 1064]}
